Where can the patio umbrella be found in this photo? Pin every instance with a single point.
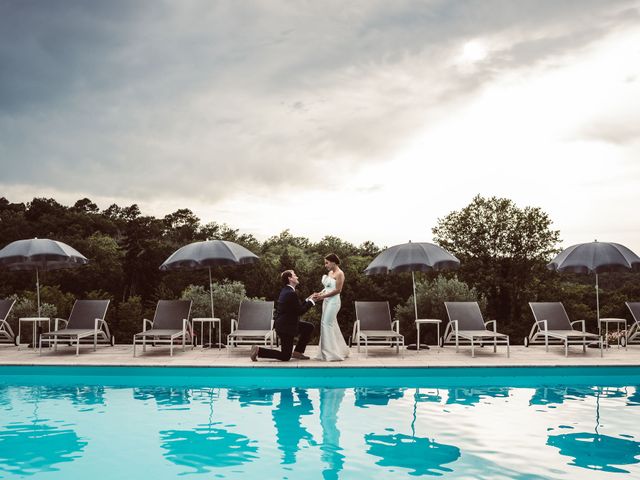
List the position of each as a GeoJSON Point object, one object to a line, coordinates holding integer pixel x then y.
{"type": "Point", "coordinates": [207, 254]}
{"type": "Point", "coordinates": [412, 257]}
{"type": "Point", "coordinates": [595, 257]}
{"type": "Point", "coordinates": [40, 254]}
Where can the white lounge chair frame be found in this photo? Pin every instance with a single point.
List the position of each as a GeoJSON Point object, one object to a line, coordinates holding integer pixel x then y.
{"type": "Point", "coordinates": [67, 331]}
{"type": "Point", "coordinates": [559, 330]}
{"type": "Point", "coordinates": [373, 326]}
{"type": "Point", "coordinates": [467, 327]}
{"type": "Point", "coordinates": [253, 325]}
{"type": "Point", "coordinates": [6, 332]}
{"type": "Point", "coordinates": [164, 334]}
{"type": "Point", "coordinates": [633, 334]}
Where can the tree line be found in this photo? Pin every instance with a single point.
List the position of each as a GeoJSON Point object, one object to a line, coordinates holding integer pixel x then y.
{"type": "Point", "coordinates": [503, 251]}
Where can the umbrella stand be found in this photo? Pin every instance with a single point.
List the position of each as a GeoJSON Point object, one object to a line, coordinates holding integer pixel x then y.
{"type": "Point", "coordinates": [415, 301]}
{"type": "Point", "coordinates": [211, 293]}
{"type": "Point", "coordinates": [598, 304]}
{"type": "Point", "coordinates": [38, 290]}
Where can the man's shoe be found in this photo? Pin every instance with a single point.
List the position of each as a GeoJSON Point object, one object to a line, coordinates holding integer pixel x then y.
{"type": "Point", "coordinates": [254, 353]}
{"type": "Point", "coordinates": [299, 356]}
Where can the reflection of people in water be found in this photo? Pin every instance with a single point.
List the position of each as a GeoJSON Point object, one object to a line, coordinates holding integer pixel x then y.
{"type": "Point", "coordinates": [330, 400]}
{"type": "Point", "coordinates": [286, 417]}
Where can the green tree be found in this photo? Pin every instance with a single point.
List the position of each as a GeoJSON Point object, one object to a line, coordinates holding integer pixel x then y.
{"type": "Point", "coordinates": [503, 252]}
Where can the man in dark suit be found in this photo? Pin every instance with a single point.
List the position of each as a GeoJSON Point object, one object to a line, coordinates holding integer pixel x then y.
{"type": "Point", "coordinates": [288, 323]}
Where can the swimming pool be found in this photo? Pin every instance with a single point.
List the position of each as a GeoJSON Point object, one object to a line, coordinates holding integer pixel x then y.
{"type": "Point", "coordinates": [171, 422]}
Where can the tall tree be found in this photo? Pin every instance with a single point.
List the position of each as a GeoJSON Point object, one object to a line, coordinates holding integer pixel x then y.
{"type": "Point", "coordinates": [503, 252]}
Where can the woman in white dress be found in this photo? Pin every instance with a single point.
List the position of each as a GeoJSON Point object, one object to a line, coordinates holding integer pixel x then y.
{"type": "Point", "coordinates": [332, 345]}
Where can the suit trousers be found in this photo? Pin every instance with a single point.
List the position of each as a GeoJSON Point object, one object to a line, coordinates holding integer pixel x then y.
{"type": "Point", "coordinates": [305, 329]}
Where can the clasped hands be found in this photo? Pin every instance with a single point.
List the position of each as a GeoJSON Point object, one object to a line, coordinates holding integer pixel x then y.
{"type": "Point", "coordinates": [315, 296]}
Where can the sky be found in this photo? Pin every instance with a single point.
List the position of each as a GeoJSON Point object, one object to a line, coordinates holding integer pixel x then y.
{"type": "Point", "coordinates": [366, 120]}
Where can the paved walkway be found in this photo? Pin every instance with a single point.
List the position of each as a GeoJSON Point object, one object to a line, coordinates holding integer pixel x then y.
{"type": "Point", "coordinates": [378, 357]}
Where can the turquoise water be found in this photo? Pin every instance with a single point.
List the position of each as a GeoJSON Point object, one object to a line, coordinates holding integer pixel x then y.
{"type": "Point", "coordinates": [161, 423]}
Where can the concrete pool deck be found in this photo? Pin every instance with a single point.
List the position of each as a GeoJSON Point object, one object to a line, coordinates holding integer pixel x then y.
{"type": "Point", "coordinates": [379, 357]}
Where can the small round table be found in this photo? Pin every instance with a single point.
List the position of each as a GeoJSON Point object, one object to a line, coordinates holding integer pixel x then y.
{"type": "Point", "coordinates": [35, 321]}
{"type": "Point", "coordinates": [211, 321]}
{"type": "Point", "coordinates": [617, 321]}
{"type": "Point", "coordinates": [429, 321]}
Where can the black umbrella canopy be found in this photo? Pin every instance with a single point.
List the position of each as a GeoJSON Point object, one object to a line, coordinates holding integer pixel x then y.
{"type": "Point", "coordinates": [595, 257]}
{"type": "Point", "coordinates": [210, 253]}
{"type": "Point", "coordinates": [40, 253]}
{"type": "Point", "coordinates": [412, 257]}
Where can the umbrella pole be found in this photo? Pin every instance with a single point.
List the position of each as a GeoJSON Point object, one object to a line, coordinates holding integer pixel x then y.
{"type": "Point", "coordinates": [38, 291]}
{"type": "Point", "coordinates": [415, 301]}
{"type": "Point", "coordinates": [211, 293]}
{"type": "Point", "coordinates": [598, 304]}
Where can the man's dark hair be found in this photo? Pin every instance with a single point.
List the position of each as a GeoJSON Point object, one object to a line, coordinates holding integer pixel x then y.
{"type": "Point", "coordinates": [285, 276]}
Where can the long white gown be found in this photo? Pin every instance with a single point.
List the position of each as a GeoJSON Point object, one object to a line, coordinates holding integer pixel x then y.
{"type": "Point", "coordinates": [332, 346]}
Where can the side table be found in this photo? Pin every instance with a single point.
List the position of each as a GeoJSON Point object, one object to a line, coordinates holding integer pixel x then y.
{"type": "Point", "coordinates": [617, 321]}
{"type": "Point", "coordinates": [211, 322]}
{"type": "Point", "coordinates": [35, 321]}
{"type": "Point", "coordinates": [429, 321]}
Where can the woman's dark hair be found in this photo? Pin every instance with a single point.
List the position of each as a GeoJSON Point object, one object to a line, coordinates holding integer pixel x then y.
{"type": "Point", "coordinates": [332, 257]}
{"type": "Point", "coordinates": [285, 276]}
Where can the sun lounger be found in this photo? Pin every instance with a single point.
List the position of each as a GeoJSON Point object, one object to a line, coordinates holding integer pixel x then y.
{"type": "Point", "coordinates": [170, 323]}
{"type": "Point", "coordinates": [254, 324]}
{"type": "Point", "coordinates": [373, 326]}
{"type": "Point", "coordinates": [86, 321]}
{"type": "Point", "coordinates": [552, 326]}
{"type": "Point", "coordinates": [633, 335]}
{"type": "Point", "coordinates": [6, 332]}
{"type": "Point", "coordinates": [467, 325]}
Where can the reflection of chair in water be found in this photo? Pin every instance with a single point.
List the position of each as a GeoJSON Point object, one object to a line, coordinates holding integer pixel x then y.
{"type": "Point", "coordinates": [286, 418]}
{"type": "Point", "coordinates": [473, 396]}
{"type": "Point", "coordinates": [557, 395]}
{"type": "Point", "coordinates": [330, 400]}
{"type": "Point", "coordinates": [6, 332]}
{"type": "Point", "coordinates": [365, 396]}
{"type": "Point", "coordinates": [165, 397]}
{"type": "Point", "coordinates": [77, 394]}
{"type": "Point", "coordinates": [252, 396]}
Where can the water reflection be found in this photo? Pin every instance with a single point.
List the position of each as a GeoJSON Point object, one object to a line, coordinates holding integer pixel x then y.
{"type": "Point", "coordinates": [634, 398]}
{"type": "Point", "coordinates": [165, 397]}
{"type": "Point", "coordinates": [206, 448]}
{"type": "Point", "coordinates": [287, 419]}
{"type": "Point", "coordinates": [595, 451]}
{"type": "Point", "coordinates": [330, 401]}
{"type": "Point", "coordinates": [252, 396]}
{"type": "Point", "coordinates": [87, 395]}
{"type": "Point", "coordinates": [28, 449]}
{"type": "Point", "coordinates": [473, 396]}
{"type": "Point", "coordinates": [376, 396]}
{"type": "Point", "coordinates": [421, 456]}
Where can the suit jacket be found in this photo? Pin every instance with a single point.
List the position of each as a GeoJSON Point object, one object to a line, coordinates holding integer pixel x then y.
{"type": "Point", "coordinates": [288, 311]}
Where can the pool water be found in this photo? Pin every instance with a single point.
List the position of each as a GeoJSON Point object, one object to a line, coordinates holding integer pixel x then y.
{"type": "Point", "coordinates": [262, 423]}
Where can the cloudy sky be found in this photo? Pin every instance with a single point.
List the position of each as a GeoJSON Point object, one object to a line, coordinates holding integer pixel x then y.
{"type": "Point", "coordinates": [367, 120]}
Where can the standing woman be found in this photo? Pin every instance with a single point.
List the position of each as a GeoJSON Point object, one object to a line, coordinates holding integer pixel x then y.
{"type": "Point", "coordinates": [332, 345]}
